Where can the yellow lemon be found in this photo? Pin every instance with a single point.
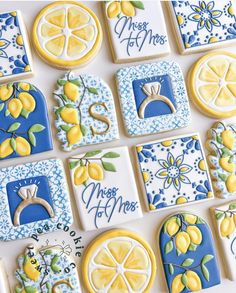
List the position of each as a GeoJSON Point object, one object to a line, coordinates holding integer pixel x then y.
{"type": "Point", "coordinates": [15, 107]}
{"type": "Point", "coordinates": [23, 148]}
{"type": "Point", "coordinates": [74, 135]}
{"type": "Point", "coordinates": [27, 101]}
{"type": "Point", "coordinates": [177, 285]}
{"type": "Point", "coordinates": [80, 175]}
{"type": "Point", "coordinates": [71, 91]}
{"type": "Point", "coordinates": [191, 219]}
{"type": "Point", "coordinates": [30, 269]}
{"type": "Point", "coordinates": [172, 227]}
{"type": "Point", "coordinates": [228, 139]}
{"type": "Point", "coordinates": [24, 86]}
{"type": "Point", "coordinates": [224, 163]}
{"type": "Point", "coordinates": [127, 8]}
{"type": "Point", "coordinates": [5, 148]}
{"type": "Point", "coordinates": [182, 241]}
{"type": "Point", "coordinates": [70, 115]}
{"type": "Point", "coordinates": [227, 226]}
{"type": "Point", "coordinates": [231, 183]}
{"type": "Point", "coordinates": [95, 171]}
{"type": "Point", "coordinates": [114, 9]}
{"type": "Point", "coordinates": [19, 40]}
{"type": "Point", "coordinates": [194, 282]}
{"type": "Point", "coordinates": [195, 234]}
{"type": "Point", "coordinates": [5, 92]}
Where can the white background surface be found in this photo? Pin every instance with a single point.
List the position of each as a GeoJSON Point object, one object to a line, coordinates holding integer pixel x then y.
{"type": "Point", "coordinates": [45, 78]}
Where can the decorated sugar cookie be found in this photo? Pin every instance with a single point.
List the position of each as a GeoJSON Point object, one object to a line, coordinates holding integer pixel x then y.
{"type": "Point", "coordinates": [103, 196]}
{"type": "Point", "coordinates": [221, 144]}
{"type": "Point", "coordinates": [212, 85]}
{"type": "Point", "coordinates": [136, 30]}
{"type": "Point", "coordinates": [33, 196]}
{"type": "Point", "coordinates": [47, 269]}
{"type": "Point", "coordinates": [15, 55]}
{"type": "Point", "coordinates": [203, 25]}
{"type": "Point", "coordinates": [224, 217]}
{"type": "Point", "coordinates": [118, 261]}
{"type": "Point", "coordinates": [173, 172]}
{"type": "Point", "coordinates": [67, 34]}
{"type": "Point", "coordinates": [86, 112]}
{"type": "Point", "coordinates": [153, 97]}
{"type": "Point", "coordinates": [188, 254]}
{"type": "Point", "coordinates": [25, 128]}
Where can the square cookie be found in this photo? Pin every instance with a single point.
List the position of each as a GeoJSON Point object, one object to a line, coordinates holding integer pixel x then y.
{"type": "Point", "coordinates": [15, 55]}
{"type": "Point", "coordinates": [224, 218]}
{"type": "Point", "coordinates": [203, 25]}
{"type": "Point", "coordinates": [173, 172]}
{"type": "Point", "coordinates": [136, 30]}
{"type": "Point", "coordinates": [104, 188]}
{"type": "Point", "coordinates": [153, 98]}
{"type": "Point", "coordinates": [33, 196]}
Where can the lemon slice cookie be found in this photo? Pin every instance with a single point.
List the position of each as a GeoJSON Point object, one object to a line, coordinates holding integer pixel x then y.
{"type": "Point", "coordinates": [67, 34]}
{"type": "Point", "coordinates": [212, 84]}
{"type": "Point", "coordinates": [119, 261]}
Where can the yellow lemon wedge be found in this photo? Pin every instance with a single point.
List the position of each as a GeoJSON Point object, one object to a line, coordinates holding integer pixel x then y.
{"type": "Point", "coordinates": [15, 107]}
{"type": "Point", "coordinates": [30, 268]}
{"type": "Point", "coordinates": [80, 175]}
{"type": "Point", "coordinates": [227, 226]}
{"type": "Point", "coordinates": [5, 92]}
{"type": "Point", "coordinates": [177, 285]}
{"type": "Point", "coordinates": [71, 91]}
{"type": "Point", "coordinates": [195, 234]}
{"type": "Point", "coordinates": [67, 34]}
{"type": "Point", "coordinates": [212, 84]}
{"type": "Point", "coordinates": [74, 135]}
{"type": "Point", "coordinates": [27, 101]}
{"type": "Point", "coordinates": [5, 148]}
{"type": "Point", "coordinates": [23, 148]}
{"type": "Point", "coordinates": [95, 171]}
{"type": "Point", "coordinates": [194, 282]}
{"type": "Point", "coordinates": [122, 261]}
{"type": "Point", "coordinates": [70, 115]}
{"type": "Point", "coordinates": [182, 241]}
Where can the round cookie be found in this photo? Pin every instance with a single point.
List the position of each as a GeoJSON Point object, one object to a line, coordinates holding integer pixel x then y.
{"type": "Point", "coordinates": [212, 84]}
{"type": "Point", "coordinates": [115, 255]}
{"type": "Point", "coordinates": [67, 34]}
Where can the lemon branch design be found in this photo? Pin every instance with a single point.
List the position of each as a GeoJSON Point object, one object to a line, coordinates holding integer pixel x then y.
{"type": "Point", "coordinates": [127, 8]}
{"type": "Point", "coordinates": [86, 166]}
{"type": "Point", "coordinates": [228, 220]}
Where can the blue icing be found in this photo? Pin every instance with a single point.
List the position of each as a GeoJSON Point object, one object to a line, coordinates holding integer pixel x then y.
{"type": "Point", "coordinates": [155, 108]}
{"type": "Point", "coordinates": [33, 212]}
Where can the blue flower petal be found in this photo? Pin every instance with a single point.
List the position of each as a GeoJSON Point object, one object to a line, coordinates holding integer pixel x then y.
{"type": "Point", "coordinates": [19, 63]}
{"type": "Point", "coordinates": [147, 154]}
{"type": "Point", "coordinates": [161, 205]}
{"type": "Point", "coordinates": [190, 144]}
{"type": "Point", "coordinates": [17, 70]}
{"type": "Point", "coordinates": [157, 197]}
{"type": "Point", "coordinates": [9, 20]}
{"type": "Point", "coordinates": [200, 196]}
{"type": "Point", "coordinates": [149, 198]}
{"type": "Point", "coordinates": [25, 59]}
{"type": "Point", "coordinates": [202, 189]}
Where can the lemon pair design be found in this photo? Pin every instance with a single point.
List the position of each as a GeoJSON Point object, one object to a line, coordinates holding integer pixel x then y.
{"type": "Point", "coordinates": [128, 8]}
{"type": "Point", "coordinates": [227, 220]}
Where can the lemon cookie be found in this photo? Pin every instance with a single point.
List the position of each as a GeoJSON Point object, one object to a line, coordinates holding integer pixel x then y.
{"type": "Point", "coordinates": [119, 261]}
{"type": "Point", "coordinates": [67, 34]}
{"type": "Point", "coordinates": [188, 253]}
{"type": "Point", "coordinates": [212, 84]}
{"type": "Point", "coordinates": [104, 188]}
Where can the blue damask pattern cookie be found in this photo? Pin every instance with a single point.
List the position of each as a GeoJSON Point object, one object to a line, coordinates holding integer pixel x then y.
{"type": "Point", "coordinates": [25, 128]}
{"type": "Point", "coordinates": [153, 98]}
{"type": "Point", "coordinates": [15, 55]}
{"type": "Point", "coordinates": [33, 196]}
{"type": "Point", "coordinates": [202, 25]}
{"type": "Point", "coordinates": [174, 171]}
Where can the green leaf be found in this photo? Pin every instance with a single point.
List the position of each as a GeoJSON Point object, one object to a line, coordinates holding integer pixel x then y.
{"type": "Point", "coordinates": [178, 221]}
{"type": "Point", "coordinates": [232, 206]}
{"type": "Point", "coordinates": [61, 82]}
{"type": "Point", "coordinates": [138, 4]}
{"type": "Point", "coordinates": [13, 143]}
{"type": "Point", "coordinates": [111, 155]}
{"type": "Point", "coordinates": [53, 265]}
{"type": "Point", "coordinates": [192, 247]}
{"type": "Point", "coordinates": [219, 215]}
{"type": "Point", "coordinates": [187, 262]}
{"type": "Point", "coordinates": [24, 113]}
{"type": "Point", "coordinates": [49, 287]}
{"type": "Point", "coordinates": [108, 166]}
{"type": "Point", "coordinates": [13, 127]}
{"type": "Point", "coordinates": [36, 128]}
{"type": "Point", "coordinates": [205, 272]}
{"type": "Point", "coordinates": [65, 127]}
{"type": "Point", "coordinates": [178, 252]}
{"type": "Point", "coordinates": [93, 90]}
{"type": "Point", "coordinates": [219, 139]}
{"type": "Point", "coordinates": [69, 106]}
{"type": "Point", "coordinates": [76, 82]}
{"type": "Point", "coordinates": [32, 88]}
{"type": "Point", "coordinates": [171, 269]}
{"type": "Point", "coordinates": [207, 258]}
{"type": "Point", "coordinates": [231, 159]}
{"type": "Point", "coordinates": [92, 154]}
{"type": "Point", "coordinates": [9, 85]}
{"type": "Point", "coordinates": [30, 289]}
{"type": "Point", "coordinates": [223, 177]}
{"type": "Point", "coordinates": [18, 290]}
{"type": "Point", "coordinates": [1, 106]}
{"type": "Point", "coordinates": [83, 129]}
{"type": "Point", "coordinates": [200, 221]}
{"type": "Point", "coordinates": [169, 247]}
{"type": "Point", "coordinates": [58, 111]}
{"type": "Point", "coordinates": [225, 152]}
{"type": "Point", "coordinates": [64, 97]}
{"type": "Point", "coordinates": [184, 280]}
{"type": "Point", "coordinates": [74, 164]}
{"type": "Point", "coordinates": [7, 113]}
{"type": "Point", "coordinates": [23, 277]}
{"type": "Point", "coordinates": [48, 252]}
{"type": "Point", "coordinates": [32, 138]}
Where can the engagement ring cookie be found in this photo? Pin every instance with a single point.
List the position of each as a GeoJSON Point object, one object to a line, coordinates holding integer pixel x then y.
{"type": "Point", "coordinates": [203, 25]}
{"type": "Point", "coordinates": [153, 98]}
{"type": "Point", "coordinates": [86, 112]}
{"type": "Point", "coordinates": [104, 188]}
{"type": "Point", "coordinates": [174, 172]}
{"type": "Point", "coordinates": [33, 196]}
{"type": "Point", "coordinates": [47, 269]}
{"type": "Point", "coordinates": [15, 54]}
{"type": "Point", "coordinates": [188, 254]}
{"type": "Point", "coordinates": [119, 261]}
{"type": "Point", "coordinates": [212, 84]}
{"type": "Point", "coordinates": [25, 128]}
{"type": "Point", "coordinates": [67, 34]}
{"type": "Point", "coordinates": [224, 218]}
{"type": "Point", "coordinates": [221, 144]}
{"type": "Point", "coordinates": [136, 30]}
